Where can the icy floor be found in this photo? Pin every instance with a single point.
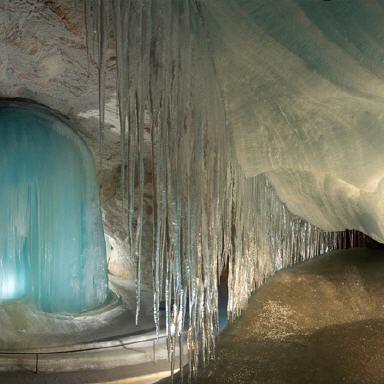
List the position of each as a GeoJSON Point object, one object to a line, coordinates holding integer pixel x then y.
{"type": "Point", "coordinates": [320, 322]}
{"type": "Point", "coordinates": [23, 327]}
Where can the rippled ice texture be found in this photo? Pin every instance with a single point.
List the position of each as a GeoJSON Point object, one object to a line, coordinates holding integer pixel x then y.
{"type": "Point", "coordinates": [52, 247]}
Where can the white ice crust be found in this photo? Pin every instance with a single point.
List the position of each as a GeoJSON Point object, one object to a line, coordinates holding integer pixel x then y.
{"type": "Point", "coordinates": [303, 87]}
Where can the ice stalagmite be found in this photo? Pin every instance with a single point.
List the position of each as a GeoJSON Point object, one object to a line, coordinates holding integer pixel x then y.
{"type": "Point", "coordinates": [207, 215]}
{"type": "Point", "coordinates": [51, 235]}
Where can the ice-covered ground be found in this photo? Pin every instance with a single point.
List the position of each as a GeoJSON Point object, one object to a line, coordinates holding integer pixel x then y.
{"type": "Point", "coordinates": [320, 322]}
{"type": "Point", "coordinates": [23, 327]}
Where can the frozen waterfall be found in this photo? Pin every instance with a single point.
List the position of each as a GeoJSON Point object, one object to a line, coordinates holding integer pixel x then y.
{"type": "Point", "coordinates": [52, 247]}
{"type": "Point", "coordinates": [208, 216]}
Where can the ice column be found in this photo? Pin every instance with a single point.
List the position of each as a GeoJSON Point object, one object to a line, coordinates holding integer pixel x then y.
{"type": "Point", "coordinates": [52, 246]}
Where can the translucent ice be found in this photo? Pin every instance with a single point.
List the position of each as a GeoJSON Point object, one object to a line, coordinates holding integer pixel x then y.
{"type": "Point", "coordinates": [52, 247]}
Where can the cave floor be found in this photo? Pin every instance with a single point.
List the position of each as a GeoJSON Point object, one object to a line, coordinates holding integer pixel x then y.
{"type": "Point", "coordinates": [102, 346]}
{"type": "Point", "coordinates": [319, 322]}
{"type": "Point", "coordinates": [24, 328]}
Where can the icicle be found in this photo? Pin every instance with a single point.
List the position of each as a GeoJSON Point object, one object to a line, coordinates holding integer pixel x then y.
{"type": "Point", "coordinates": [120, 23]}
{"type": "Point", "coordinates": [207, 216]}
{"type": "Point", "coordinates": [103, 31]}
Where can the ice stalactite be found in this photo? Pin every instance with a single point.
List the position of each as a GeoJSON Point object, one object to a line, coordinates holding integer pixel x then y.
{"type": "Point", "coordinates": [273, 239]}
{"type": "Point", "coordinates": [207, 215]}
{"type": "Point", "coordinates": [51, 235]}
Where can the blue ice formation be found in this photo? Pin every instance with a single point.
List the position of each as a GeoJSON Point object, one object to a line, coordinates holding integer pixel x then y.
{"type": "Point", "coordinates": [52, 247]}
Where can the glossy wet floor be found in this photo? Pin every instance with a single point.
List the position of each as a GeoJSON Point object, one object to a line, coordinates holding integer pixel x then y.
{"type": "Point", "coordinates": [320, 322]}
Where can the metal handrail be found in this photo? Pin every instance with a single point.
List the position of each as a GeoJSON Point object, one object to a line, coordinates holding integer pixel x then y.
{"type": "Point", "coordinates": [154, 339]}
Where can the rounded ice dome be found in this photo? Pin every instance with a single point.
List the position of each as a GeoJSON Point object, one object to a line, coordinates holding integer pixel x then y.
{"type": "Point", "coordinates": [52, 247]}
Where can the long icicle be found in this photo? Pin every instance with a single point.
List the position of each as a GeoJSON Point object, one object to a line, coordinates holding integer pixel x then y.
{"type": "Point", "coordinates": [102, 35]}
{"type": "Point", "coordinates": [208, 218]}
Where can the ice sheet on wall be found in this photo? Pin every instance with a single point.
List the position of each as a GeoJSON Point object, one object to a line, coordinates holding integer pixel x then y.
{"type": "Point", "coordinates": [52, 247]}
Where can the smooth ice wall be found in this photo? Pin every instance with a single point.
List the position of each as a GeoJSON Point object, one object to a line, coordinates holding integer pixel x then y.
{"type": "Point", "coordinates": [52, 246]}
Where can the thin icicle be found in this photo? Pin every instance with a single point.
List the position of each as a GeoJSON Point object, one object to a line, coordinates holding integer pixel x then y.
{"type": "Point", "coordinates": [103, 18]}
{"type": "Point", "coordinates": [207, 216]}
